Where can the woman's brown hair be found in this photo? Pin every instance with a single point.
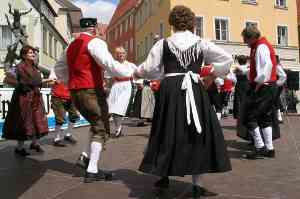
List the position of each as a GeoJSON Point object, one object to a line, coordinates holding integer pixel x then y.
{"type": "Point", "coordinates": [24, 50]}
{"type": "Point", "coordinates": [182, 18]}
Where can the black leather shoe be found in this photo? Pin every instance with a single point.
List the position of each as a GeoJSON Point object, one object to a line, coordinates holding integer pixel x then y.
{"type": "Point", "coordinates": [21, 152]}
{"type": "Point", "coordinates": [36, 147]}
{"type": "Point", "coordinates": [70, 139]}
{"type": "Point", "coordinates": [59, 143]}
{"type": "Point", "coordinates": [162, 183]}
{"type": "Point", "coordinates": [258, 153]}
{"type": "Point", "coordinates": [83, 162]}
{"type": "Point", "coordinates": [270, 153]}
{"type": "Point", "coordinates": [198, 192]}
{"type": "Point", "coordinates": [100, 176]}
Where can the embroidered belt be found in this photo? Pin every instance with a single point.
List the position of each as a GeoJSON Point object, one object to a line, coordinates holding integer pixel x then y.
{"type": "Point", "coordinates": [189, 96]}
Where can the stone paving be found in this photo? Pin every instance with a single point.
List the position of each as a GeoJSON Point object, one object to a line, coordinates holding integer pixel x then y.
{"type": "Point", "coordinates": [53, 175]}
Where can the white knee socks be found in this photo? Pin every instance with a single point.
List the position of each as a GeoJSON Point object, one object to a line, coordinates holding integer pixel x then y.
{"type": "Point", "coordinates": [96, 148]}
{"type": "Point", "coordinates": [118, 122]}
{"type": "Point", "coordinates": [279, 115]}
{"type": "Point", "coordinates": [258, 141]}
{"type": "Point", "coordinates": [58, 133]}
{"type": "Point", "coordinates": [20, 145]}
{"type": "Point", "coordinates": [219, 115]}
{"type": "Point", "coordinates": [267, 132]}
{"type": "Point", "coordinates": [68, 131]}
{"type": "Point", "coordinates": [87, 145]}
{"type": "Point", "coordinates": [196, 180]}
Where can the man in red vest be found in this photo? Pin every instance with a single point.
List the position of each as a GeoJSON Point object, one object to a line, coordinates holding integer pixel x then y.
{"type": "Point", "coordinates": [260, 97]}
{"type": "Point", "coordinates": [81, 67]}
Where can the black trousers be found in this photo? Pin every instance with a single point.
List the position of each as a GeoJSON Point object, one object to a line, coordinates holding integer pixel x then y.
{"type": "Point", "coordinates": [259, 106]}
{"type": "Point", "coordinates": [215, 99]}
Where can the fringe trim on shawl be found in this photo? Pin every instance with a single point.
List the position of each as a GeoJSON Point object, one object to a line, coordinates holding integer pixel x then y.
{"type": "Point", "coordinates": [187, 56]}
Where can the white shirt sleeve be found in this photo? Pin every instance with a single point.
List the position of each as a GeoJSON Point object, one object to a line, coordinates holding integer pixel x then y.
{"type": "Point", "coordinates": [281, 75]}
{"type": "Point", "coordinates": [219, 82]}
{"type": "Point", "coordinates": [61, 68]}
{"type": "Point", "coordinates": [263, 64]}
{"type": "Point", "coordinates": [244, 69]}
{"type": "Point", "coordinates": [232, 77]}
{"type": "Point", "coordinates": [152, 66]}
{"type": "Point", "coordinates": [217, 57]}
{"type": "Point", "coordinates": [99, 51]}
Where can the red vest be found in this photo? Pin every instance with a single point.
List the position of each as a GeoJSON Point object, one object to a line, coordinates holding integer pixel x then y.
{"type": "Point", "coordinates": [253, 73]}
{"type": "Point", "coordinates": [84, 72]}
{"type": "Point", "coordinates": [61, 91]}
{"type": "Point", "coordinates": [227, 86]}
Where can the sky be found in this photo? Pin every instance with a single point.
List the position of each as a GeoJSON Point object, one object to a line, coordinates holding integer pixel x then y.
{"type": "Point", "coordinates": [101, 9]}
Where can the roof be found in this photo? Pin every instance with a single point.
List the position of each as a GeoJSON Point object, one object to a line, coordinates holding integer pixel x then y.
{"type": "Point", "coordinates": [75, 13]}
{"type": "Point", "coordinates": [68, 5]}
{"type": "Point", "coordinates": [122, 9]}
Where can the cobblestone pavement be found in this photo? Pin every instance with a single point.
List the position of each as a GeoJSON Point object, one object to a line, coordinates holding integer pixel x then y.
{"type": "Point", "coordinates": [52, 175]}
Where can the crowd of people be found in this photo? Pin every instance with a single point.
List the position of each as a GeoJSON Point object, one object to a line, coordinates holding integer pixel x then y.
{"type": "Point", "coordinates": [183, 88]}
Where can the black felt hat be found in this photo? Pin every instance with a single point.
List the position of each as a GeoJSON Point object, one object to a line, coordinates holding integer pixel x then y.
{"type": "Point", "coordinates": [88, 22]}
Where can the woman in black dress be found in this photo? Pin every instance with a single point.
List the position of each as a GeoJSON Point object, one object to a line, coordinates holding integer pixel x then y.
{"type": "Point", "coordinates": [186, 137]}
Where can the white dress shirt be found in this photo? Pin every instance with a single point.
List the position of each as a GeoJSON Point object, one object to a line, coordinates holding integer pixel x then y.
{"type": "Point", "coordinates": [263, 64]}
{"type": "Point", "coordinates": [99, 51]}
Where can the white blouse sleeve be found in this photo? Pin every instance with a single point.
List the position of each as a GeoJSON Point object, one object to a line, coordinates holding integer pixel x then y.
{"type": "Point", "coordinates": [61, 68]}
{"type": "Point", "coordinates": [217, 57]}
{"type": "Point", "coordinates": [152, 68]}
{"type": "Point", "coordinates": [99, 51]}
{"type": "Point", "coordinates": [263, 64]}
{"type": "Point", "coordinates": [281, 75]}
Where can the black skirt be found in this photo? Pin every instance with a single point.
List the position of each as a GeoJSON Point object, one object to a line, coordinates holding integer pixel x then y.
{"type": "Point", "coordinates": [176, 148]}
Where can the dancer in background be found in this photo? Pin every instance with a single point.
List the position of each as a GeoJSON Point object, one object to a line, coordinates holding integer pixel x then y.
{"type": "Point", "coordinates": [259, 104]}
{"type": "Point", "coordinates": [242, 84]}
{"type": "Point", "coordinates": [186, 137]}
{"type": "Point", "coordinates": [26, 117]}
{"type": "Point", "coordinates": [280, 86]}
{"type": "Point", "coordinates": [61, 104]}
{"type": "Point", "coordinates": [121, 93]}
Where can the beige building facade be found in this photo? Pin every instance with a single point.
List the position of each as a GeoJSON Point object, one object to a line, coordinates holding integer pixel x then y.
{"type": "Point", "coordinates": [222, 21]}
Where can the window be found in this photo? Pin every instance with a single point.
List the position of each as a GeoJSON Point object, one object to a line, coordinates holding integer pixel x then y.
{"type": "Point", "coordinates": [131, 44]}
{"type": "Point", "coordinates": [138, 51]}
{"type": "Point", "coordinates": [251, 23]}
{"type": "Point", "coordinates": [55, 48]}
{"type": "Point", "coordinates": [151, 39]}
{"type": "Point", "coordinates": [6, 37]}
{"type": "Point", "coordinates": [221, 28]}
{"type": "Point", "coordinates": [126, 46]}
{"type": "Point", "coordinates": [121, 29]}
{"type": "Point", "coordinates": [125, 25]}
{"type": "Point", "coordinates": [50, 45]}
{"type": "Point", "coordinates": [249, 1]}
{"type": "Point", "coordinates": [199, 26]}
{"type": "Point", "coordinates": [161, 30]}
{"type": "Point", "coordinates": [146, 11]}
{"type": "Point", "coordinates": [146, 45]}
{"type": "Point", "coordinates": [45, 40]}
{"type": "Point", "coordinates": [141, 46]}
{"type": "Point", "coordinates": [282, 35]}
{"type": "Point", "coordinates": [281, 3]}
{"type": "Point", "coordinates": [116, 33]}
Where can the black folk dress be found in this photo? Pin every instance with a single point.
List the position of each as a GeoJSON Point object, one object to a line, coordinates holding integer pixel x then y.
{"type": "Point", "coordinates": [176, 148]}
